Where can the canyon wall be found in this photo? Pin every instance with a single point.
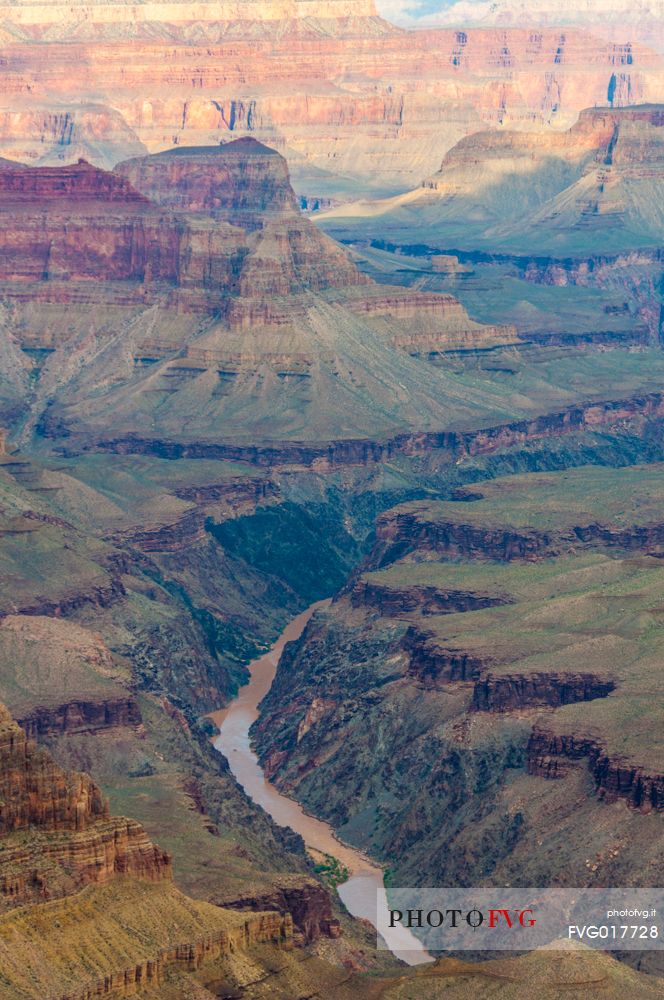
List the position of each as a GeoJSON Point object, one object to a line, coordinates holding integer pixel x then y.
{"type": "Point", "coordinates": [56, 829]}
{"type": "Point", "coordinates": [201, 268]}
{"type": "Point", "coordinates": [549, 198]}
{"type": "Point", "coordinates": [65, 861]}
{"type": "Point", "coordinates": [306, 78]}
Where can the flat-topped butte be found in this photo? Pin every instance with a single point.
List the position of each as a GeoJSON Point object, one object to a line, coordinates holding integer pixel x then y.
{"type": "Point", "coordinates": [589, 495]}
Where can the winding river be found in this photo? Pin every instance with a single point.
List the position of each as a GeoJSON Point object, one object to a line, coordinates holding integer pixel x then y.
{"type": "Point", "coordinates": [364, 893]}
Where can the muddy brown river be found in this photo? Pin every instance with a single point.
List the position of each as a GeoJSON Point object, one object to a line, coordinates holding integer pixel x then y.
{"type": "Point", "coordinates": [363, 894]}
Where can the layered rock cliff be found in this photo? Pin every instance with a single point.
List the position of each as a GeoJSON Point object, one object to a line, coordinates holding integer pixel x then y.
{"type": "Point", "coordinates": [73, 226]}
{"type": "Point", "coordinates": [286, 77]}
{"type": "Point", "coordinates": [67, 863]}
{"type": "Point", "coordinates": [57, 834]}
{"type": "Point", "coordinates": [204, 273]}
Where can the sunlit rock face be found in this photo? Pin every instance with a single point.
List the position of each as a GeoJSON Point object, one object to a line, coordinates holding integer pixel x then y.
{"type": "Point", "coordinates": [590, 190]}
{"type": "Point", "coordinates": [346, 96]}
{"type": "Point", "coordinates": [56, 831]}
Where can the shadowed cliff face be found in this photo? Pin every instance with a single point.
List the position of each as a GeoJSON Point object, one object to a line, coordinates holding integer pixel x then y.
{"type": "Point", "coordinates": [557, 234]}
{"type": "Point", "coordinates": [590, 190]}
{"type": "Point", "coordinates": [223, 404]}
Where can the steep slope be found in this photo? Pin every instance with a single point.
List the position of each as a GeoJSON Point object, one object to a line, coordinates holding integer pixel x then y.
{"type": "Point", "coordinates": [561, 194]}
{"type": "Point", "coordinates": [88, 904]}
{"type": "Point", "coordinates": [122, 619]}
{"type": "Point", "coordinates": [117, 689]}
{"type": "Point", "coordinates": [57, 834]}
{"type": "Point", "coordinates": [206, 317]}
{"type": "Point", "coordinates": [220, 313]}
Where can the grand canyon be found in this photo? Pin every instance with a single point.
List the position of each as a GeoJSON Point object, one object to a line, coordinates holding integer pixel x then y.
{"type": "Point", "coordinates": [331, 490]}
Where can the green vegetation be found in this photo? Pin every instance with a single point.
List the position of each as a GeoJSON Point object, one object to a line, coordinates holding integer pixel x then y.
{"type": "Point", "coordinates": [307, 548]}
{"type": "Point", "coordinates": [498, 292]}
{"type": "Point", "coordinates": [127, 480]}
{"type": "Point", "coordinates": [596, 611]}
{"type": "Point", "coordinates": [332, 871]}
{"type": "Point", "coordinates": [560, 500]}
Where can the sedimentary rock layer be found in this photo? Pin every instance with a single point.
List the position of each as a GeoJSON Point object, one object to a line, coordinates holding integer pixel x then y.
{"type": "Point", "coordinates": [56, 831]}
{"type": "Point", "coordinates": [482, 660]}
{"type": "Point", "coordinates": [195, 74]}
{"type": "Point", "coordinates": [550, 754]}
{"type": "Point", "coordinates": [610, 414]}
{"type": "Point", "coordinates": [202, 270]}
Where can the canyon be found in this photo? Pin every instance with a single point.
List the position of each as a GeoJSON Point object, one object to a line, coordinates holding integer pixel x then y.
{"type": "Point", "coordinates": [512, 225]}
{"type": "Point", "coordinates": [301, 310]}
{"type": "Point", "coordinates": [232, 309]}
{"type": "Point", "coordinates": [93, 873]}
{"type": "Point", "coordinates": [493, 663]}
{"type": "Point", "coordinates": [244, 332]}
{"type": "Point", "coordinates": [535, 194]}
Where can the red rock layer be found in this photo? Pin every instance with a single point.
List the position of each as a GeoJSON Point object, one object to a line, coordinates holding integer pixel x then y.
{"type": "Point", "coordinates": [68, 230]}
{"type": "Point", "coordinates": [307, 902]}
{"type": "Point", "coordinates": [80, 182]}
{"type": "Point", "coordinates": [77, 716]}
{"type": "Point", "coordinates": [394, 601]}
{"type": "Point", "coordinates": [56, 833]}
{"type": "Point", "coordinates": [457, 539]}
{"type": "Point", "coordinates": [36, 868]}
{"type": "Point", "coordinates": [36, 793]}
{"type": "Point", "coordinates": [243, 182]}
{"type": "Point", "coordinates": [433, 664]}
{"type": "Point", "coordinates": [507, 693]}
{"type": "Point", "coordinates": [338, 454]}
{"type": "Point", "coordinates": [314, 88]}
{"type": "Point", "coordinates": [79, 234]}
{"type": "Point", "coordinates": [189, 528]}
{"type": "Point", "coordinates": [101, 596]}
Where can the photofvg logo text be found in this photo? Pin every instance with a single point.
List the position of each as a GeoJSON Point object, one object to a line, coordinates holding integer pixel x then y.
{"type": "Point", "coordinates": [475, 918]}
{"type": "Point", "coordinates": [516, 919]}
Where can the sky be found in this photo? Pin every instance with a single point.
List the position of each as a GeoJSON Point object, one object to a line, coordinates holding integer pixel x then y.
{"type": "Point", "coordinates": [406, 10]}
{"type": "Point", "coordinates": [410, 11]}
